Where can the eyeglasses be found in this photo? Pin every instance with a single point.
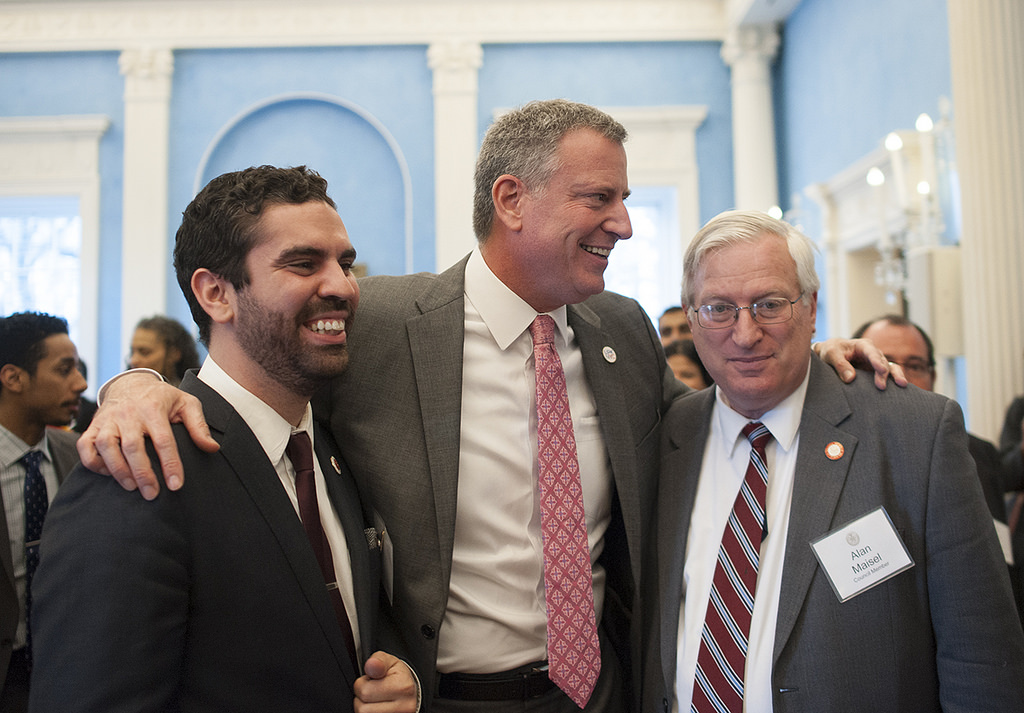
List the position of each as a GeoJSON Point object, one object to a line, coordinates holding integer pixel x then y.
{"type": "Point", "coordinates": [768, 311]}
{"type": "Point", "coordinates": [914, 365]}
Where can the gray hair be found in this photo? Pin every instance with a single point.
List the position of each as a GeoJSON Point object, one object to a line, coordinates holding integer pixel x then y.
{"type": "Point", "coordinates": [746, 226]}
{"type": "Point", "coordinates": [523, 143]}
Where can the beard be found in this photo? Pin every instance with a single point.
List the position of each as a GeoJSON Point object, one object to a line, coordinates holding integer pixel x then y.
{"type": "Point", "coordinates": [274, 341]}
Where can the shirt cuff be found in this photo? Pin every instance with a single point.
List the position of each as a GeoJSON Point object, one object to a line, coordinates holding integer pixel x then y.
{"type": "Point", "coordinates": [138, 370]}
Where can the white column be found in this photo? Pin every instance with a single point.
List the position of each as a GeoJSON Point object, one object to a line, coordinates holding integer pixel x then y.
{"type": "Point", "coordinates": [987, 59]}
{"type": "Point", "coordinates": [455, 65]}
{"type": "Point", "coordinates": [144, 241]}
{"type": "Point", "coordinates": [749, 51]}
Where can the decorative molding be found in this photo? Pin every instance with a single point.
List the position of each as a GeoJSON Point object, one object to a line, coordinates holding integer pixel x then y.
{"type": "Point", "coordinates": [759, 43]}
{"type": "Point", "coordinates": [62, 149]}
{"type": "Point", "coordinates": [105, 25]}
{"type": "Point", "coordinates": [60, 156]}
{"type": "Point", "coordinates": [455, 64]}
{"type": "Point", "coordinates": [147, 73]}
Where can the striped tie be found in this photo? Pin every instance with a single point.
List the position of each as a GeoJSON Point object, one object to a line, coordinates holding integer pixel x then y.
{"type": "Point", "coordinates": [722, 658]}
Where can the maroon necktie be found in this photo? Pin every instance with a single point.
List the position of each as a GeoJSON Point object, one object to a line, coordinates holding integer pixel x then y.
{"type": "Point", "coordinates": [721, 661]}
{"type": "Point", "coordinates": [574, 652]}
{"type": "Point", "coordinates": [300, 453]}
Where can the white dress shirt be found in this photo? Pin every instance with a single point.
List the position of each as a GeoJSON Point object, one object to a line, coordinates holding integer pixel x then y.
{"type": "Point", "coordinates": [726, 456]}
{"type": "Point", "coordinates": [495, 619]}
{"type": "Point", "coordinates": [12, 485]}
{"type": "Point", "coordinates": [273, 432]}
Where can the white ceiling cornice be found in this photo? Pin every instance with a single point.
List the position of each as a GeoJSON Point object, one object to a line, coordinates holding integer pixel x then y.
{"type": "Point", "coordinates": [116, 25]}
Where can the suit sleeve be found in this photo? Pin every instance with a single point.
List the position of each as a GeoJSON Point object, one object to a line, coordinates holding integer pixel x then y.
{"type": "Point", "coordinates": [979, 644]}
{"type": "Point", "coordinates": [110, 600]}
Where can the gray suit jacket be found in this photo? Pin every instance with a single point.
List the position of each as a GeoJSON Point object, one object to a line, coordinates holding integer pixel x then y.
{"type": "Point", "coordinates": [396, 413]}
{"type": "Point", "coordinates": [65, 457]}
{"type": "Point", "coordinates": [207, 599]}
{"type": "Point", "coordinates": [942, 635]}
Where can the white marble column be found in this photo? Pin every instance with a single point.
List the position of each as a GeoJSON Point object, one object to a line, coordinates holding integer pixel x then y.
{"type": "Point", "coordinates": [144, 241]}
{"type": "Point", "coordinates": [987, 59]}
{"type": "Point", "coordinates": [749, 51]}
{"type": "Point", "coordinates": [455, 65]}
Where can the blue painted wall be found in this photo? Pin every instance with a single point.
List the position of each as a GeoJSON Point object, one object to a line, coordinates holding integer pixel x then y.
{"type": "Point", "coordinates": [216, 90]}
{"type": "Point", "coordinates": [82, 83]}
{"type": "Point", "coordinates": [836, 97]}
{"type": "Point", "coordinates": [650, 74]}
{"type": "Point", "coordinates": [848, 73]}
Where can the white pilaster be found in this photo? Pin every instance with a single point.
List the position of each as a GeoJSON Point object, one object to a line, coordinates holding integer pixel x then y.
{"type": "Point", "coordinates": [455, 65]}
{"type": "Point", "coordinates": [987, 59]}
{"type": "Point", "coordinates": [144, 241]}
{"type": "Point", "coordinates": [749, 51]}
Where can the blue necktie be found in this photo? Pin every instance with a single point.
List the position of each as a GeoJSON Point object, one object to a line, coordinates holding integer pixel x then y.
{"type": "Point", "coordinates": [36, 503]}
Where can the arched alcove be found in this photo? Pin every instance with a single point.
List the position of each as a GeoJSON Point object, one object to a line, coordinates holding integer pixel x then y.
{"type": "Point", "coordinates": [363, 164]}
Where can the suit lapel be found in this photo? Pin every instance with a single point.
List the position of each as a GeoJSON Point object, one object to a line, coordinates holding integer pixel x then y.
{"type": "Point", "coordinates": [680, 474]}
{"type": "Point", "coordinates": [341, 489]}
{"type": "Point", "coordinates": [607, 388]}
{"type": "Point", "coordinates": [436, 338]}
{"type": "Point", "coordinates": [245, 455]}
{"type": "Point", "coordinates": [817, 484]}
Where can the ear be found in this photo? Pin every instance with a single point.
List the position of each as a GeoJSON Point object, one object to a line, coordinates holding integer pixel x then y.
{"type": "Point", "coordinates": [508, 194]}
{"type": "Point", "coordinates": [13, 378]}
{"type": "Point", "coordinates": [215, 295]}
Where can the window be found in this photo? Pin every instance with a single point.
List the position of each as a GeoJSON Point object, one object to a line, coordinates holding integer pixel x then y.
{"type": "Point", "coordinates": [40, 257]}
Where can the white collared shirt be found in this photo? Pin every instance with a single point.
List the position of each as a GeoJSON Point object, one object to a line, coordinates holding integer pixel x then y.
{"type": "Point", "coordinates": [495, 618]}
{"type": "Point", "coordinates": [12, 485]}
{"type": "Point", "coordinates": [273, 432]}
{"type": "Point", "coordinates": [726, 456]}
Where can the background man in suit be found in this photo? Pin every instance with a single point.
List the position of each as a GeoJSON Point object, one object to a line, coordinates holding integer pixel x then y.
{"type": "Point", "coordinates": [941, 635]}
{"type": "Point", "coordinates": [218, 596]}
{"type": "Point", "coordinates": [40, 386]}
{"type": "Point", "coordinates": [906, 344]}
{"type": "Point", "coordinates": [438, 414]}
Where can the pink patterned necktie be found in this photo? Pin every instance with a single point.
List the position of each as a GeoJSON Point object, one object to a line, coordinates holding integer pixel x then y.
{"type": "Point", "coordinates": [721, 661]}
{"type": "Point", "coordinates": [574, 653]}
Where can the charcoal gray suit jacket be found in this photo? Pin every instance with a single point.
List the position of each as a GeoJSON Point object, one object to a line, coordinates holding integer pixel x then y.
{"type": "Point", "coordinates": [396, 413]}
{"type": "Point", "coordinates": [209, 598]}
{"type": "Point", "coordinates": [942, 635]}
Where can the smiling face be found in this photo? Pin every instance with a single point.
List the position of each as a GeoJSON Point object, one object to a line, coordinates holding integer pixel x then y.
{"type": "Point", "coordinates": [569, 226]}
{"type": "Point", "coordinates": [291, 320]}
{"type": "Point", "coordinates": [755, 365]}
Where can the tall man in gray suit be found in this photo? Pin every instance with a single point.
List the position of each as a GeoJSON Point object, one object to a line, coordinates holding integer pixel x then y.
{"type": "Point", "coordinates": [843, 561]}
{"type": "Point", "coordinates": [438, 417]}
{"type": "Point", "coordinates": [255, 588]}
{"type": "Point", "coordinates": [40, 386]}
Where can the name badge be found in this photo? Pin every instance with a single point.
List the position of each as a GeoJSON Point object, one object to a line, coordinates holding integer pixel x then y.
{"type": "Point", "coordinates": [861, 554]}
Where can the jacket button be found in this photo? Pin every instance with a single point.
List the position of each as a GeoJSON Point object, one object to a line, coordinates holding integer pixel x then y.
{"type": "Point", "coordinates": [428, 631]}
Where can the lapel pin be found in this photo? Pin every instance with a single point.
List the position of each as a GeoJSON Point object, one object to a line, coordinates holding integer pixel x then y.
{"type": "Point", "coordinates": [337, 466]}
{"type": "Point", "coordinates": [609, 355]}
{"type": "Point", "coordinates": [834, 450]}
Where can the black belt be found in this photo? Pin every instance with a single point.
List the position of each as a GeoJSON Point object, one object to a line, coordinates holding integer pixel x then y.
{"type": "Point", "coordinates": [519, 684]}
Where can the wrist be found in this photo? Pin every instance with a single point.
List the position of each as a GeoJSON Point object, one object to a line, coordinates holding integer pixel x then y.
{"type": "Point", "coordinates": [138, 370]}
